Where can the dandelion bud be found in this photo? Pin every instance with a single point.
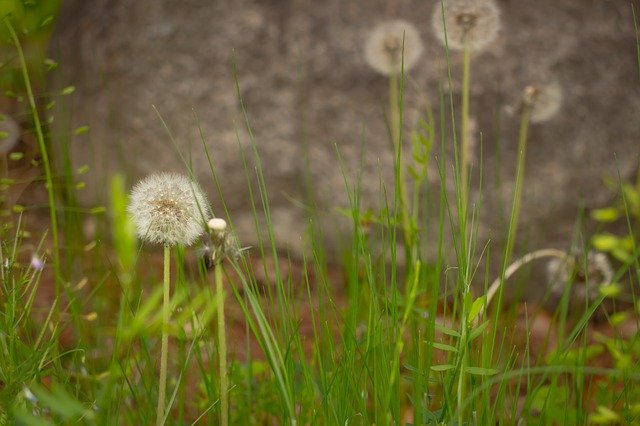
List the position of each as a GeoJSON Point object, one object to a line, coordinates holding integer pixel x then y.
{"type": "Point", "coordinates": [384, 47]}
{"type": "Point", "coordinates": [469, 24]}
{"type": "Point", "coordinates": [168, 209]}
{"type": "Point", "coordinates": [217, 225]}
{"type": "Point", "coordinates": [223, 243]}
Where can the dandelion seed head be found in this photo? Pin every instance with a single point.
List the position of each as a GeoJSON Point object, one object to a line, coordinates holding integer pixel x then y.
{"type": "Point", "coordinates": [471, 24]}
{"type": "Point", "coordinates": [168, 208]}
{"type": "Point", "coordinates": [585, 278]}
{"type": "Point", "coordinates": [384, 47]}
{"type": "Point", "coordinates": [544, 100]}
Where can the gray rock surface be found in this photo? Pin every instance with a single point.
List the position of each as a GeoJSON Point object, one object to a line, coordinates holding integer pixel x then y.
{"type": "Point", "coordinates": [308, 89]}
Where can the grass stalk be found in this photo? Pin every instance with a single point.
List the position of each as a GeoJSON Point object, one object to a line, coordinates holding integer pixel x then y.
{"type": "Point", "coordinates": [46, 163]}
{"type": "Point", "coordinates": [396, 137]}
{"type": "Point", "coordinates": [464, 131]}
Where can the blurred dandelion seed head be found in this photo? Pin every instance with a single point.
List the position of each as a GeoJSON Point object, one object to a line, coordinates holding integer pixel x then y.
{"type": "Point", "coordinates": [585, 279]}
{"type": "Point", "coordinates": [168, 209]}
{"type": "Point", "coordinates": [384, 47]}
{"type": "Point", "coordinates": [471, 24]}
{"type": "Point", "coordinates": [544, 100]}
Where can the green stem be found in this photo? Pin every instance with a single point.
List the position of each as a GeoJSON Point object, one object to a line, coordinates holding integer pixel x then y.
{"type": "Point", "coordinates": [464, 132]}
{"type": "Point", "coordinates": [394, 110]}
{"type": "Point", "coordinates": [45, 162]}
{"type": "Point", "coordinates": [222, 349]}
{"type": "Point", "coordinates": [164, 351]}
{"type": "Point", "coordinates": [517, 196]}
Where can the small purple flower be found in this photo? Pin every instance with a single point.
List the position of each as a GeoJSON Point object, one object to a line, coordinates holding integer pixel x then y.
{"type": "Point", "coordinates": [36, 262]}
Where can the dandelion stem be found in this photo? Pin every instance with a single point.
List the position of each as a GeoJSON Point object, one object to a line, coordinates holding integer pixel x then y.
{"type": "Point", "coordinates": [164, 351]}
{"type": "Point", "coordinates": [222, 349]}
{"type": "Point", "coordinates": [464, 132]}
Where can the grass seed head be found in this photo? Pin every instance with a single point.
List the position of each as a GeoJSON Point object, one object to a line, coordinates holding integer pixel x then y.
{"type": "Point", "coordinates": [471, 24]}
{"type": "Point", "coordinates": [384, 47]}
{"type": "Point", "coordinates": [168, 209]}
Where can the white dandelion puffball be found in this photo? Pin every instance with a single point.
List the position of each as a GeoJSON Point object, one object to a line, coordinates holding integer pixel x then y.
{"type": "Point", "coordinates": [383, 48]}
{"type": "Point", "coordinates": [545, 101]}
{"type": "Point", "coordinates": [471, 24]}
{"type": "Point", "coordinates": [168, 209]}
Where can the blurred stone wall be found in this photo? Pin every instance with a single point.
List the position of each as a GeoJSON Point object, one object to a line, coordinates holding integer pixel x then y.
{"type": "Point", "coordinates": [308, 89]}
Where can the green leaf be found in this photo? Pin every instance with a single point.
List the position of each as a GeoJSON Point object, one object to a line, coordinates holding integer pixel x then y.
{"type": "Point", "coordinates": [605, 416]}
{"type": "Point", "coordinates": [632, 197]}
{"type": "Point", "coordinates": [68, 90]}
{"type": "Point", "coordinates": [608, 214]}
{"type": "Point", "coordinates": [442, 367]}
{"type": "Point", "coordinates": [80, 130]}
{"type": "Point", "coordinates": [622, 255]}
{"type": "Point", "coordinates": [610, 290]}
{"type": "Point", "coordinates": [478, 330]}
{"type": "Point", "coordinates": [476, 307]}
{"type": "Point", "coordinates": [605, 242]}
{"type": "Point", "coordinates": [443, 347]}
{"type": "Point", "coordinates": [447, 331]}
{"type": "Point", "coordinates": [479, 371]}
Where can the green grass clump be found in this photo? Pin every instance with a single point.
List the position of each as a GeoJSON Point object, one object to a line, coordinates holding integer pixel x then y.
{"type": "Point", "coordinates": [411, 332]}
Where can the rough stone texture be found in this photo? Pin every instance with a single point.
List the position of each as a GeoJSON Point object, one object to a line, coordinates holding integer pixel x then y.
{"type": "Point", "coordinates": [303, 77]}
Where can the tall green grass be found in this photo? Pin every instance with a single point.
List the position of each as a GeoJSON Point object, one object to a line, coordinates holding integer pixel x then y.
{"type": "Point", "coordinates": [388, 343]}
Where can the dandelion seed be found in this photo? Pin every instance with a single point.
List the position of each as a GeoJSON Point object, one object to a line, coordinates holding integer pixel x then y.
{"type": "Point", "coordinates": [384, 47]}
{"type": "Point", "coordinates": [544, 100]}
{"type": "Point", "coordinates": [470, 24]}
{"type": "Point", "coordinates": [168, 209]}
